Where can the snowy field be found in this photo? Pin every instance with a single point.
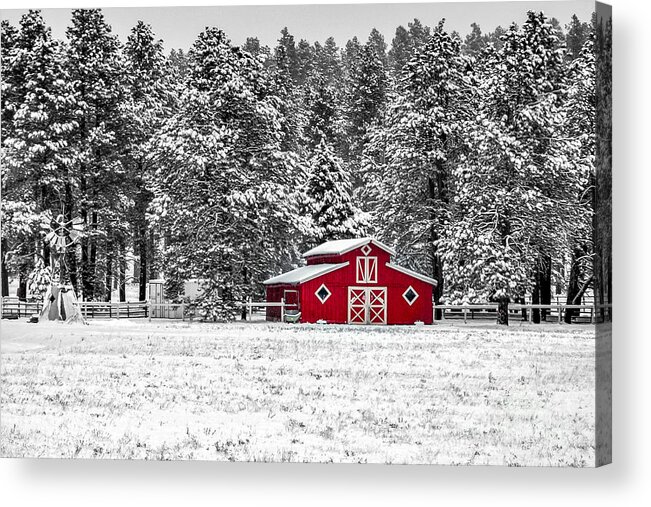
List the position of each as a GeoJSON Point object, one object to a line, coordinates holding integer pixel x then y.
{"type": "Point", "coordinates": [448, 394]}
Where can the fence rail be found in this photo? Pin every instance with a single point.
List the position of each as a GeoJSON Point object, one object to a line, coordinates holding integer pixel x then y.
{"type": "Point", "coordinates": [587, 313]}
{"type": "Point", "coordinates": [12, 308]}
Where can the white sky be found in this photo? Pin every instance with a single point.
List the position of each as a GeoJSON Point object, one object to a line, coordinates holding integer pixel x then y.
{"type": "Point", "coordinates": [179, 26]}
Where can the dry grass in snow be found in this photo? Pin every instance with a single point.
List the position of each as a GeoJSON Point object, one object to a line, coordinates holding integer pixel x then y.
{"type": "Point", "coordinates": [270, 392]}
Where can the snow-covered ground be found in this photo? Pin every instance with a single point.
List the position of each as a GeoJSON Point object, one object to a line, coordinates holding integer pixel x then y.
{"type": "Point", "coordinates": [449, 393]}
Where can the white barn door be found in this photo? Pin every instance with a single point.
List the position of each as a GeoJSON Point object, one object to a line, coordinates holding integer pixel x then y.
{"type": "Point", "coordinates": [367, 305]}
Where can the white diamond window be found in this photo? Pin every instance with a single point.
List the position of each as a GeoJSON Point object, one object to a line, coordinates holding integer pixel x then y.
{"type": "Point", "coordinates": [410, 295]}
{"type": "Point", "coordinates": [366, 249]}
{"type": "Point", "coordinates": [322, 293]}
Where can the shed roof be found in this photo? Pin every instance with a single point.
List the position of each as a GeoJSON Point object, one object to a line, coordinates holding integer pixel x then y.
{"type": "Point", "coordinates": [304, 274]}
{"type": "Point", "coordinates": [342, 246]}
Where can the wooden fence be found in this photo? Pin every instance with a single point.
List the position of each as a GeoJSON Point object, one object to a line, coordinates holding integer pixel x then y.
{"type": "Point", "coordinates": [555, 312]}
{"type": "Point", "coordinates": [12, 308]}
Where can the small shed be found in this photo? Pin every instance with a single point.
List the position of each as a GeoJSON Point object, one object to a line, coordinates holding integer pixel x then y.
{"type": "Point", "coordinates": [353, 281]}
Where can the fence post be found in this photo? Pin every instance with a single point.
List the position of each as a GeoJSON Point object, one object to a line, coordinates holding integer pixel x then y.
{"type": "Point", "coordinates": [465, 315]}
{"type": "Point", "coordinates": [249, 310]}
{"type": "Point", "coordinates": [591, 315]}
{"type": "Point", "coordinates": [560, 314]}
{"type": "Point", "coordinates": [282, 309]}
{"type": "Point", "coordinates": [183, 311]}
{"type": "Point", "coordinates": [118, 310]}
{"type": "Point", "coordinates": [148, 311]}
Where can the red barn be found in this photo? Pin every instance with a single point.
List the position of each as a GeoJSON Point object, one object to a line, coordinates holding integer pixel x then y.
{"type": "Point", "coordinates": [353, 281]}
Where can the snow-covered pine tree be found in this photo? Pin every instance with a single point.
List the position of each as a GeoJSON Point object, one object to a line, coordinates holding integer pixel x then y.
{"type": "Point", "coordinates": [365, 101]}
{"type": "Point", "coordinates": [288, 98]}
{"type": "Point", "coordinates": [578, 33]}
{"type": "Point", "coordinates": [516, 185]}
{"type": "Point", "coordinates": [327, 61]}
{"type": "Point", "coordinates": [95, 70]}
{"type": "Point", "coordinates": [322, 114]}
{"type": "Point", "coordinates": [408, 163]}
{"type": "Point", "coordinates": [224, 189]}
{"type": "Point", "coordinates": [36, 149]}
{"type": "Point", "coordinates": [327, 201]}
{"type": "Point", "coordinates": [602, 190]}
{"type": "Point", "coordinates": [305, 61]}
{"type": "Point", "coordinates": [150, 98]}
{"type": "Point", "coordinates": [581, 116]}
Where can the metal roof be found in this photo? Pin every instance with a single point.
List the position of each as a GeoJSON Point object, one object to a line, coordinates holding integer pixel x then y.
{"type": "Point", "coordinates": [304, 274]}
{"type": "Point", "coordinates": [409, 272]}
{"type": "Point", "coordinates": [342, 246]}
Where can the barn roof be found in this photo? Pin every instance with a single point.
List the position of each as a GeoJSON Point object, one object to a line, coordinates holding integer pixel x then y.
{"type": "Point", "coordinates": [409, 272]}
{"type": "Point", "coordinates": [304, 274]}
{"type": "Point", "coordinates": [342, 246]}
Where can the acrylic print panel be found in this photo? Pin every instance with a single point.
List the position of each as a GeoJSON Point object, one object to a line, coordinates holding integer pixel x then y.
{"type": "Point", "coordinates": [316, 233]}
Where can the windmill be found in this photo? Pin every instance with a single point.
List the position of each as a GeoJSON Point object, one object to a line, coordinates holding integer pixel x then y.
{"type": "Point", "coordinates": [61, 236]}
{"type": "Point", "coordinates": [60, 301]}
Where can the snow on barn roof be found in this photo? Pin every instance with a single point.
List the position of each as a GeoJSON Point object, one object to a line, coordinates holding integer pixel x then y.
{"type": "Point", "coordinates": [304, 274]}
{"type": "Point", "coordinates": [342, 246]}
{"type": "Point", "coordinates": [409, 272]}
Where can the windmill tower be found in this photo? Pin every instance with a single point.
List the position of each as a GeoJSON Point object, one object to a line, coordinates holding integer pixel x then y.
{"type": "Point", "coordinates": [60, 301]}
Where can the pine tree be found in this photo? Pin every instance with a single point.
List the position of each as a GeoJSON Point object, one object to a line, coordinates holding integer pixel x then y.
{"type": "Point", "coordinates": [407, 164]}
{"type": "Point", "coordinates": [224, 189]}
{"type": "Point", "coordinates": [149, 100]}
{"type": "Point", "coordinates": [322, 115]}
{"type": "Point", "coordinates": [286, 42]}
{"type": "Point", "coordinates": [95, 70]}
{"type": "Point", "coordinates": [376, 42]}
{"type": "Point", "coordinates": [475, 41]}
{"type": "Point", "coordinates": [327, 61]}
{"type": "Point", "coordinates": [36, 151]}
{"type": "Point", "coordinates": [419, 34]}
{"type": "Point", "coordinates": [577, 34]}
{"type": "Point", "coordinates": [516, 184]}
{"type": "Point", "coordinates": [366, 90]}
{"type": "Point", "coordinates": [602, 189]}
{"type": "Point", "coordinates": [328, 199]}
{"type": "Point", "coordinates": [400, 51]}
{"type": "Point", "coordinates": [305, 61]}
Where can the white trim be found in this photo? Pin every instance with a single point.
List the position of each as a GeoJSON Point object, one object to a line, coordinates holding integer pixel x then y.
{"type": "Point", "coordinates": [366, 249]}
{"type": "Point", "coordinates": [409, 272]}
{"type": "Point", "coordinates": [278, 280]}
{"type": "Point", "coordinates": [316, 293]}
{"type": "Point", "coordinates": [351, 245]}
{"type": "Point", "coordinates": [410, 303]}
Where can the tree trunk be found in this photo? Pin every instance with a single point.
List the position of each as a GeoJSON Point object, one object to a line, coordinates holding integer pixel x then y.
{"type": "Point", "coordinates": [109, 271]}
{"type": "Point", "coordinates": [522, 301]}
{"type": "Point", "coordinates": [143, 253]}
{"type": "Point", "coordinates": [545, 285]}
{"type": "Point", "coordinates": [71, 254]}
{"type": "Point", "coordinates": [123, 272]}
{"type": "Point", "coordinates": [93, 256]}
{"type": "Point", "coordinates": [22, 287]}
{"type": "Point", "coordinates": [503, 311]}
{"type": "Point", "coordinates": [5, 272]}
{"type": "Point", "coordinates": [573, 286]}
{"type": "Point", "coordinates": [535, 298]}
